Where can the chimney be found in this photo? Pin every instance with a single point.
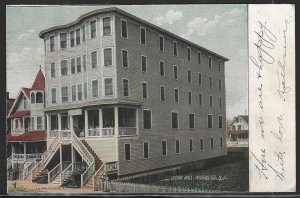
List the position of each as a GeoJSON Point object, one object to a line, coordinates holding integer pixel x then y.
{"type": "Point", "coordinates": [7, 95]}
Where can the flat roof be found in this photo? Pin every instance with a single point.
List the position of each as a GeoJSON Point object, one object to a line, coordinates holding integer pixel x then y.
{"type": "Point", "coordinates": [117, 10]}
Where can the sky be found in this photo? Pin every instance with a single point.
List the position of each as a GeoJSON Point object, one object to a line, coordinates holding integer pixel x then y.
{"type": "Point", "coordinates": [219, 28]}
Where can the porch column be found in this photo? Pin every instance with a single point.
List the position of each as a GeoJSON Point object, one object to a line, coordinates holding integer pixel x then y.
{"type": "Point", "coordinates": [137, 121]}
{"type": "Point", "coordinates": [24, 151]}
{"type": "Point", "coordinates": [60, 156]}
{"type": "Point", "coordinates": [59, 121]}
{"type": "Point", "coordinates": [71, 123]}
{"type": "Point", "coordinates": [23, 122]}
{"type": "Point", "coordinates": [48, 122]}
{"type": "Point", "coordinates": [72, 156]}
{"type": "Point", "coordinates": [100, 119]}
{"type": "Point", "coordinates": [12, 148]}
{"type": "Point", "coordinates": [116, 122]}
{"type": "Point", "coordinates": [86, 123]}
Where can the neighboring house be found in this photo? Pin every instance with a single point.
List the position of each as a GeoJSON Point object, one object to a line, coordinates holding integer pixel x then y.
{"type": "Point", "coordinates": [9, 104]}
{"type": "Point", "coordinates": [238, 128]}
{"type": "Point", "coordinates": [124, 96]}
{"type": "Point", "coordinates": [26, 141]}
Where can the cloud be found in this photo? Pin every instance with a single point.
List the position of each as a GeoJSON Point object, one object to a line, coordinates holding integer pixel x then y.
{"type": "Point", "coordinates": [26, 35]}
{"type": "Point", "coordinates": [202, 26]}
{"type": "Point", "coordinates": [169, 18]}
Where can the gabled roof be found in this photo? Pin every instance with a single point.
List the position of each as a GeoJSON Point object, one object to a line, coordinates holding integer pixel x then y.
{"type": "Point", "coordinates": [244, 117]}
{"type": "Point", "coordinates": [20, 114]}
{"type": "Point", "coordinates": [122, 12]}
{"type": "Point", "coordinates": [39, 82]}
{"type": "Point", "coordinates": [31, 136]}
{"type": "Point", "coordinates": [9, 104]}
{"type": "Point", "coordinates": [26, 91]}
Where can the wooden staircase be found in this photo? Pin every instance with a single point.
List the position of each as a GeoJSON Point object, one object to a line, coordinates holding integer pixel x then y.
{"type": "Point", "coordinates": [98, 164]}
{"type": "Point", "coordinates": [57, 180]}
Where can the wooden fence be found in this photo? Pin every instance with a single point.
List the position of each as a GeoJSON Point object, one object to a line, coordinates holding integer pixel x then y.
{"type": "Point", "coordinates": [116, 186]}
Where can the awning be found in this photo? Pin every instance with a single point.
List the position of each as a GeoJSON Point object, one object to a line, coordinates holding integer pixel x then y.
{"type": "Point", "coordinates": [20, 114]}
{"type": "Point", "coordinates": [31, 136]}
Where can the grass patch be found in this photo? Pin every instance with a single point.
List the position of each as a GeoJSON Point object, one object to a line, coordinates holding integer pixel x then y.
{"type": "Point", "coordinates": [228, 177]}
{"type": "Point", "coordinates": [20, 189]}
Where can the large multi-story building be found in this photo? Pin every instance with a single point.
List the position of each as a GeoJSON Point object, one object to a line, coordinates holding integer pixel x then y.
{"type": "Point", "coordinates": [122, 91]}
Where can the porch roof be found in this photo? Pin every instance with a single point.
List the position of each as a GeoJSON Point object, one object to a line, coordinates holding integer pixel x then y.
{"type": "Point", "coordinates": [19, 114]}
{"type": "Point", "coordinates": [31, 136]}
{"type": "Point", "coordinates": [95, 103]}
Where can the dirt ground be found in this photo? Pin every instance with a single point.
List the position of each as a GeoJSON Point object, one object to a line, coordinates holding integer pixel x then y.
{"type": "Point", "coordinates": [28, 187]}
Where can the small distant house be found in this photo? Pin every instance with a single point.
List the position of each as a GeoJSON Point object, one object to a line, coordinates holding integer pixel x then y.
{"type": "Point", "coordinates": [238, 128]}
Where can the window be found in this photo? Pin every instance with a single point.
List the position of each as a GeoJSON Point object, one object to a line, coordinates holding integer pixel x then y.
{"type": "Point", "coordinates": [73, 69]}
{"type": "Point", "coordinates": [209, 121]}
{"type": "Point", "coordinates": [52, 44]}
{"type": "Point", "coordinates": [79, 92]}
{"type": "Point", "coordinates": [84, 62]}
{"type": "Point", "coordinates": [174, 120]}
{"type": "Point", "coordinates": [192, 121]}
{"type": "Point", "coordinates": [190, 97]}
{"type": "Point", "coordinates": [72, 38]}
{"type": "Point", "coordinates": [200, 99]}
{"type": "Point", "coordinates": [78, 64]}
{"type": "Point", "coordinates": [144, 64]}
{"type": "Point", "coordinates": [147, 119]}
{"type": "Point", "coordinates": [177, 143]}
{"type": "Point", "coordinates": [201, 145]}
{"type": "Point", "coordinates": [53, 95]}
{"type": "Point", "coordinates": [219, 66]}
{"type": "Point", "coordinates": [93, 29]}
{"type": "Point", "coordinates": [239, 127]}
{"type": "Point", "coordinates": [127, 152]}
{"type": "Point", "coordinates": [65, 94]}
{"type": "Point", "coordinates": [108, 57]}
{"type": "Point", "coordinates": [220, 122]}
{"type": "Point", "coordinates": [211, 143]}
{"type": "Point", "coordinates": [189, 54]}
{"type": "Point", "coordinates": [176, 95]}
{"type": "Point", "coordinates": [199, 58]}
{"type": "Point", "coordinates": [221, 142]}
{"type": "Point", "coordinates": [200, 78]}
{"type": "Point", "coordinates": [175, 48]}
{"type": "Point", "coordinates": [162, 93]}
{"type": "Point", "coordinates": [125, 87]}
{"type": "Point", "coordinates": [39, 97]}
{"type": "Point", "coordinates": [233, 127]}
{"type": "Point", "coordinates": [144, 85]}
{"type": "Point", "coordinates": [143, 36]}
{"type": "Point", "coordinates": [39, 123]}
{"type": "Point", "coordinates": [210, 82]}
{"type": "Point", "coordinates": [108, 87]}
{"type": "Point", "coordinates": [220, 102]}
{"type": "Point", "coordinates": [63, 40]}
{"type": "Point", "coordinates": [94, 59]}
{"type": "Point", "coordinates": [146, 150]}
{"type": "Point", "coordinates": [52, 70]}
{"type": "Point", "coordinates": [73, 92]}
{"type": "Point", "coordinates": [189, 76]}
{"type": "Point", "coordinates": [95, 88]}
{"type": "Point", "coordinates": [220, 84]}
{"type": "Point", "coordinates": [124, 29]}
{"type": "Point", "coordinates": [124, 58]}
{"type": "Point", "coordinates": [210, 101]}
{"type": "Point", "coordinates": [175, 72]}
{"type": "Point", "coordinates": [161, 43]}
{"type": "Point", "coordinates": [209, 62]}
{"type": "Point", "coordinates": [85, 90]}
{"type": "Point", "coordinates": [106, 26]}
{"type": "Point", "coordinates": [162, 68]}
{"type": "Point", "coordinates": [191, 145]}
{"type": "Point", "coordinates": [164, 148]}
{"type": "Point", "coordinates": [78, 37]}
{"type": "Point", "coordinates": [83, 33]}
{"type": "Point", "coordinates": [25, 102]}
{"type": "Point", "coordinates": [64, 67]}
{"type": "Point", "coordinates": [32, 97]}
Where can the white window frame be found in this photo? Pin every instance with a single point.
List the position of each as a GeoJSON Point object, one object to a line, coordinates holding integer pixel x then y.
{"type": "Point", "coordinates": [125, 152]}
{"type": "Point", "coordinates": [92, 95]}
{"type": "Point", "coordinates": [81, 65]}
{"type": "Point", "coordinates": [97, 61]}
{"type": "Point", "coordinates": [68, 72]}
{"type": "Point", "coordinates": [201, 149]}
{"type": "Point", "coordinates": [110, 23]}
{"type": "Point", "coordinates": [189, 50]}
{"type": "Point", "coordinates": [50, 43]}
{"type": "Point", "coordinates": [219, 121]}
{"type": "Point", "coordinates": [60, 40]}
{"type": "Point", "coordinates": [123, 86]}
{"type": "Point", "coordinates": [212, 121]}
{"type": "Point", "coordinates": [74, 38]}
{"type": "Point", "coordinates": [175, 95]}
{"type": "Point", "coordinates": [177, 120]}
{"type": "Point", "coordinates": [91, 28]}
{"type": "Point", "coordinates": [146, 90]}
{"type": "Point", "coordinates": [212, 101]}
{"type": "Point", "coordinates": [82, 90]}
{"type": "Point", "coordinates": [176, 72]}
{"type": "Point", "coordinates": [164, 87]}
{"type": "Point", "coordinates": [142, 55]}
{"type": "Point", "coordinates": [112, 86]}
{"type": "Point", "coordinates": [161, 61]}
{"type": "Point", "coordinates": [54, 69]}
{"type": "Point", "coordinates": [162, 147]}
{"type": "Point", "coordinates": [188, 71]}
{"type": "Point", "coordinates": [112, 55]}
{"type": "Point", "coordinates": [122, 28]}
{"type": "Point", "coordinates": [144, 149]}
{"type": "Point", "coordinates": [55, 95]}
{"type": "Point", "coordinates": [178, 146]}
{"type": "Point", "coordinates": [175, 42]}
{"type": "Point", "coordinates": [163, 50]}
{"type": "Point", "coordinates": [192, 145]}
{"type": "Point", "coordinates": [141, 36]}
{"type": "Point", "coordinates": [68, 94]}
{"type": "Point", "coordinates": [123, 57]}
{"type": "Point", "coordinates": [193, 121]}
{"type": "Point", "coordinates": [75, 93]}
{"type": "Point", "coordinates": [143, 118]}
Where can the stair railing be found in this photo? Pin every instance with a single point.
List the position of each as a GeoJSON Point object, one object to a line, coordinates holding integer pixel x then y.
{"type": "Point", "coordinates": [28, 169]}
{"type": "Point", "coordinates": [97, 173]}
{"type": "Point", "coordinates": [83, 151]}
{"type": "Point", "coordinates": [9, 161]}
{"type": "Point", "coordinates": [65, 173]}
{"type": "Point", "coordinates": [87, 174]}
{"type": "Point", "coordinates": [54, 172]}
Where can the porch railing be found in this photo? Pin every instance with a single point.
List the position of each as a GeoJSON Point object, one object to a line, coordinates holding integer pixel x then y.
{"type": "Point", "coordinates": [9, 162]}
{"type": "Point", "coordinates": [65, 173]}
{"type": "Point", "coordinates": [33, 156]}
{"type": "Point", "coordinates": [54, 172]}
{"type": "Point", "coordinates": [52, 133]}
{"type": "Point", "coordinates": [108, 132]}
{"type": "Point", "coordinates": [104, 132]}
{"type": "Point", "coordinates": [127, 131]}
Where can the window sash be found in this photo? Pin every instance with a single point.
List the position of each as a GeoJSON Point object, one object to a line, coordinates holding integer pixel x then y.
{"type": "Point", "coordinates": [127, 152]}
{"type": "Point", "coordinates": [190, 97]}
{"type": "Point", "coordinates": [64, 67]}
{"type": "Point", "coordinates": [210, 101]}
{"type": "Point", "coordinates": [78, 37]}
{"type": "Point", "coordinates": [175, 49]}
{"type": "Point", "coordinates": [108, 57]}
{"type": "Point", "coordinates": [52, 70]}
{"type": "Point", "coordinates": [94, 59]}
{"type": "Point", "coordinates": [191, 145]}
{"type": "Point", "coordinates": [65, 94]}
{"type": "Point", "coordinates": [84, 62]}
{"type": "Point", "coordinates": [73, 69]}
{"type": "Point", "coordinates": [107, 26]}
{"type": "Point", "coordinates": [192, 121]}
{"type": "Point", "coordinates": [147, 119]}
{"type": "Point", "coordinates": [146, 150]}
{"type": "Point", "coordinates": [209, 121]}
{"type": "Point", "coordinates": [125, 87]}
{"type": "Point", "coordinates": [189, 75]}
{"type": "Point", "coordinates": [189, 53]}
{"type": "Point", "coordinates": [162, 93]}
{"type": "Point", "coordinates": [176, 95]}
{"type": "Point", "coordinates": [164, 148]}
{"type": "Point", "coordinates": [211, 143]}
{"type": "Point", "coordinates": [79, 92]}
{"type": "Point", "coordinates": [177, 147]}
{"type": "Point", "coordinates": [52, 44]}
{"type": "Point", "coordinates": [174, 120]}
{"type": "Point", "coordinates": [95, 88]}
{"type": "Point", "coordinates": [161, 43]}
{"type": "Point", "coordinates": [124, 29]}
{"type": "Point", "coordinates": [143, 36]}
{"type": "Point", "coordinates": [144, 85]}
{"type": "Point", "coordinates": [144, 63]}
{"type": "Point", "coordinates": [85, 90]}
{"type": "Point", "coordinates": [63, 40]}
{"type": "Point", "coordinates": [162, 68]}
{"type": "Point", "coordinates": [39, 123]}
{"type": "Point", "coordinates": [201, 145]}
{"type": "Point", "coordinates": [175, 69]}
{"type": "Point", "coordinates": [73, 92]}
{"type": "Point", "coordinates": [83, 33]}
{"type": "Point", "coordinates": [78, 64]}
{"type": "Point", "coordinates": [124, 58]}
{"type": "Point", "coordinates": [93, 29]}
{"type": "Point", "coordinates": [72, 39]}
{"type": "Point", "coordinates": [108, 87]}
{"type": "Point", "coordinates": [53, 95]}
{"type": "Point", "coordinates": [199, 58]}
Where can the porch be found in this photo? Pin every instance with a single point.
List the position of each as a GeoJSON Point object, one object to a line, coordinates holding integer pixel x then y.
{"type": "Point", "coordinates": [108, 121]}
